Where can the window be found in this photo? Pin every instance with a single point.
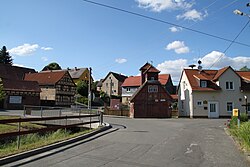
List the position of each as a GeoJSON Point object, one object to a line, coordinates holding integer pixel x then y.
{"type": "Point", "coordinates": [152, 78]}
{"type": "Point", "coordinates": [152, 88]}
{"type": "Point", "coordinates": [229, 85]}
{"type": "Point", "coordinates": [229, 106]}
{"type": "Point", "coordinates": [107, 84]}
{"type": "Point", "coordinates": [199, 103]}
{"type": "Point", "coordinates": [203, 84]}
{"type": "Point", "coordinates": [128, 89]}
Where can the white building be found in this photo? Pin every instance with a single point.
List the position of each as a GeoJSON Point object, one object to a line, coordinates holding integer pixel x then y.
{"type": "Point", "coordinates": [213, 93]}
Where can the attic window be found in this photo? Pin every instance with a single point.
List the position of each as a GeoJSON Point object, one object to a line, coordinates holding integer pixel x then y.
{"type": "Point", "coordinates": [152, 88]}
{"type": "Point", "coordinates": [203, 84]}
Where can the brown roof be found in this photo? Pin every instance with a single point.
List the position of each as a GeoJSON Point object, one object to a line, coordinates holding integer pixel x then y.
{"type": "Point", "coordinates": [194, 81]}
{"type": "Point", "coordinates": [14, 72]}
{"type": "Point", "coordinates": [76, 72]}
{"type": "Point", "coordinates": [136, 80]}
{"type": "Point", "coordinates": [46, 77]}
{"type": "Point", "coordinates": [20, 85]}
{"type": "Point", "coordinates": [220, 72]}
{"type": "Point", "coordinates": [145, 66]}
{"type": "Point", "coordinates": [119, 77]}
{"type": "Point", "coordinates": [244, 75]}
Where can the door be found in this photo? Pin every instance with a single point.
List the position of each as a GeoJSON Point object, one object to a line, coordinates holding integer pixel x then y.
{"type": "Point", "coordinates": [213, 110]}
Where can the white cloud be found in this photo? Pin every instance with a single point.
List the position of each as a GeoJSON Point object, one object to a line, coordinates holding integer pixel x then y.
{"type": "Point", "coordinates": [173, 67]}
{"type": "Point", "coordinates": [175, 29]}
{"type": "Point", "coordinates": [44, 58]}
{"type": "Point", "coordinates": [121, 60]}
{"type": "Point", "coordinates": [160, 5]}
{"type": "Point", "coordinates": [192, 15]}
{"type": "Point", "coordinates": [24, 50]}
{"type": "Point", "coordinates": [221, 60]}
{"type": "Point", "coordinates": [178, 46]}
{"type": "Point", "coordinates": [46, 48]}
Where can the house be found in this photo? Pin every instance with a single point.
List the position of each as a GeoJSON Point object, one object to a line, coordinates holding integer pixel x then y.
{"type": "Point", "coordinates": [132, 84]}
{"type": "Point", "coordinates": [57, 87]}
{"type": "Point", "coordinates": [79, 74]}
{"type": "Point", "coordinates": [19, 93]}
{"type": "Point", "coordinates": [212, 93]}
{"type": "Point", "coordinates": [111, 84]}
{"type": "Point", "coordinates": [150, 100]}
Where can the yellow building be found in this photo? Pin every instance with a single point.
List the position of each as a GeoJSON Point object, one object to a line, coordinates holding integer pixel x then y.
{"type": "Point", "coordinates": [79, 74]}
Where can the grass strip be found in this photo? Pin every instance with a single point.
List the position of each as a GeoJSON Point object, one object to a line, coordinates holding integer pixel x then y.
{"type": "Point", "coordinates": [32, 141]}
{"type": "Point", "coordinates": [242, 134]}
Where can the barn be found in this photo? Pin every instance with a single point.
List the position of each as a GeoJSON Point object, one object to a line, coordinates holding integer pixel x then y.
{"type": "Point", "coordinates": [151, 100]}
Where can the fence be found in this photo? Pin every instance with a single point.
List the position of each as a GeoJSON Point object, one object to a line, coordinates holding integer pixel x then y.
{"type": "Point", "coordinates": [69, 122]}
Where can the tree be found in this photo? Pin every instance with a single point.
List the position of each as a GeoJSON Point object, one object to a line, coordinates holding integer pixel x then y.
{"type": "Point", "coordinates": [245, 69]}
{"type": "Point", "coordinates": [5, 57]}
{"type": "Point", "coordinates": [82, 88]}
{"type": "Point", "coordinates": [2, 93]}
{"type": "Point", "coordinates": [52, 66]}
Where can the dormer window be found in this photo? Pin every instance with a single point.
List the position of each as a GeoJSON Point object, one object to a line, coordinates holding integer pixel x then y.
{"type": "Point", "coordinates": [203, 84]}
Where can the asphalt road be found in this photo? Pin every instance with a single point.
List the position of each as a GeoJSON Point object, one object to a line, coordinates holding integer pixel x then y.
{"type": "Point", "coordinates": [149, 143]}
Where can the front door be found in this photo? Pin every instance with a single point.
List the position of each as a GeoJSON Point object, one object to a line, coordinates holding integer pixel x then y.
{"type": "Point", "coordinates": [213, 110]}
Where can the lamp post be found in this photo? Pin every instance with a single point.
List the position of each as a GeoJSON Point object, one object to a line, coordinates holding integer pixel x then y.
{"type": "Point", "coordinates": [246, 103]}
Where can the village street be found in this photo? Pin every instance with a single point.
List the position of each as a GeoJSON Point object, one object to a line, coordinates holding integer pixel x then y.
{"type": "Point", "coordinates": [149, 142]}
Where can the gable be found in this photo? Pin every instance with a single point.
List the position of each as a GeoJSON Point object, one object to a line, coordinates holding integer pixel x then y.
{"type": "Point", "coordinates": [143, 92]}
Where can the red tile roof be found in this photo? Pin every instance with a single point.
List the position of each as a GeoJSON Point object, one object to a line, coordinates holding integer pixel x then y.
{"type": "Point", "coordinates": [244, 75]}
{"type": "Point", "coordinates": [46, 77]}
{"type": "Point", "coordinates": [194, 81]}
{"type": "Point", "coordinates": [135, 81]}
{"type": "Point", "coordinates": [220, 72]}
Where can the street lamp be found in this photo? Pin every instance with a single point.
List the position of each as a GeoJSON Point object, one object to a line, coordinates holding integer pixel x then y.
{"type": "Point", "coordinates": [238, 12]}
{"type": "Point", "coordinates": [246, 103]}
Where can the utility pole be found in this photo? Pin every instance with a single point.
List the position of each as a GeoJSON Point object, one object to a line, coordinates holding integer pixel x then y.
{"type": "Point", "coordinates": [110, 86]}
{"type": "Point", "coordinates": [89, 89]}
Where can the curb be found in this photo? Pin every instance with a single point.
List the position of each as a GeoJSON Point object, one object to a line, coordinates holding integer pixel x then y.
{"type": "Point", "coordinates": [29, 153]}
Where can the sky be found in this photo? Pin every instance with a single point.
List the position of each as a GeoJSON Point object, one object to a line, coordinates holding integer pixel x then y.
{"type": "Point", "coordinates": [76, 33]}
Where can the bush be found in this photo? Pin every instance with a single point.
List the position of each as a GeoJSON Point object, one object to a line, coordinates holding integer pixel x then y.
{"type": "Point", "coordinates": [243, 117]}
{"type": "Point", "coordinates": [83, 100]}
{"type": "Point", "coordinates": [233, 122]}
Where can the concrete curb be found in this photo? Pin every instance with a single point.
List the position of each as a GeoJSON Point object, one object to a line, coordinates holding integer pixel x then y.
{"type": "Point", "coordinates": [236, 142]}
{"type": "Point", "coordinates": [27, 154]}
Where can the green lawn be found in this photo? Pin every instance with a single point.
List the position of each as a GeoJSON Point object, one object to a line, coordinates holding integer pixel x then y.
{"type": "Point", "coordinates": [12, 127]}
{"type": "Point", "coordinates": [31, 141]}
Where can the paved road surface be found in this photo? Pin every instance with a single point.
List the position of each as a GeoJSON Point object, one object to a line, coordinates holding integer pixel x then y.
{"type": "Point", "coordinates": [149, 143]}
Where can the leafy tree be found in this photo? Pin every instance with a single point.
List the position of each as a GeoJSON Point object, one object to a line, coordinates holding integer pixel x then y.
{"type": "Point", "coordinates": [52, 66]}
{"type": "Point", "coordinates": [82, 88]}
{"type": "Point", "coordinates": [2, 93]}
{"type": "Point", "coordinates": [5, 57]}
{"type": "Point", "coordinates": [245, 69]}
{"type": "Point", "coordinates": [105, 97]}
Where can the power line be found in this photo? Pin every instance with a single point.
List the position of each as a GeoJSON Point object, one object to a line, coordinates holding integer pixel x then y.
{"type": "Point", "coordinates": [230, 44]}
{"type": "Point", "coordinates": [164, 22]}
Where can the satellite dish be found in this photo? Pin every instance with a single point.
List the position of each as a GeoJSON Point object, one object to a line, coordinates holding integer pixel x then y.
{"type": "Point", "coordinates": [192, 66]}
{"type": "Point", "coordinates": [199, 67]}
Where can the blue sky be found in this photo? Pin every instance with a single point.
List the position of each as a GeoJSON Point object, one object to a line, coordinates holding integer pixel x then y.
{"type": "Point", "coordinates": [75, 33]}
